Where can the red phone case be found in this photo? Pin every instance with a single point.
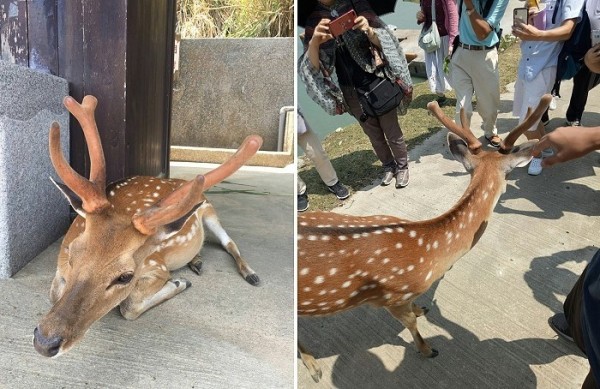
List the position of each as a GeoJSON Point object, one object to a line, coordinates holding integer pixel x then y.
{"type": "Point", "coordinates": [342, 24]}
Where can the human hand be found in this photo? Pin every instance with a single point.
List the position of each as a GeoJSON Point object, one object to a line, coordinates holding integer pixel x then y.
{"type": "Point", "coordinates": [592, 58]}
{"type": "Point", "coordinates": [361, 24]}
{"type": "Point", "coordinates": [526, 32]}
{"type": "Point", "coordinates": [568, 143]}
{"type": "Point", "coordinates": [321, 34]}
{"type": "Point", "coordinates": [420, 17]}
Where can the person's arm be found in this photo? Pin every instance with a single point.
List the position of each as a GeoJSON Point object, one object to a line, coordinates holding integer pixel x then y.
{"type": "Point", "coordinates": [451, 22]}
{"type": "Point", "coordinates": [528, 32]}
{"type": "Point", "coordinates": [480, 26]}
{"type": "Point", "coordinates": [568, 143]}
{"type": "Point", "coordinates": [320, 36]}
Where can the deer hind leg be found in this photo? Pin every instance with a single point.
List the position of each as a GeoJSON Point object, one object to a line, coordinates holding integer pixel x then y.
{"type": "Point", "coordinates": [419, 311]}
{"type": "Point", "coordinates": [406, 315]}
{"type": "Point", "coordinates": [153, 287]}
{"type": "Point", "coordinates": [311, 363]}
{"type": "Point", "coordinates": [211, 221]}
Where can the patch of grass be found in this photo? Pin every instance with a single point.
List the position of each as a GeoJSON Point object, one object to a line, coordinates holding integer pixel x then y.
{"type": "Point", "coordinates": [235, 18]}
{"type": "Point", "coordinates": [350, 150]}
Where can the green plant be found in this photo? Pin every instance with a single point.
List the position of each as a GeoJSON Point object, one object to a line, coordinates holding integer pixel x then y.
{"type": "Point", "coordinates": [235, 18]}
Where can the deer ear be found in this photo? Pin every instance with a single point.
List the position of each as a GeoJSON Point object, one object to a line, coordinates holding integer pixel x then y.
{"type": "Point", "coordinates": [460, 151]}
{"type": "Point", "coordinates": [73, 199]}
{"type": "Point", "coordinates": [168, 230]}
{"type": "Point", "coordinates": [520, 155]}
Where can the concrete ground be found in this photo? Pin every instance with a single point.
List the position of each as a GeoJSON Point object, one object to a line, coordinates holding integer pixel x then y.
{"type": "Point", "coordinates": [221, 333]}
{"type": "Point", "coordinates": [488, 317]}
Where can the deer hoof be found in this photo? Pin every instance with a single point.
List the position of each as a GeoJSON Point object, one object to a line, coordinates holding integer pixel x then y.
{"type": "Point", "coordinates": [252, 279]}
{"type": "Point", "coordinates": [182, 281]}
{"type": "Point", "coordinates": [425, 310]}
{"type": "Point", "coordinates": [196, 266]}
{"type": "Point", "coordinates": [434, 353]}
{"type": "Point", "coordinates": [316, 376]}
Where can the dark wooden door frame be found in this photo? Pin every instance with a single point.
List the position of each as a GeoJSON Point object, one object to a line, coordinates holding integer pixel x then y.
{"type": "Point", "coordinates": [119, 51]}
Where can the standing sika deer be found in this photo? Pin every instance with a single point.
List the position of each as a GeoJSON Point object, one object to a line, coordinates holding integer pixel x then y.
{"type": "Point", "coordinates": [127, 238]}
{"type": "Point", "coordinates": [345, 261]}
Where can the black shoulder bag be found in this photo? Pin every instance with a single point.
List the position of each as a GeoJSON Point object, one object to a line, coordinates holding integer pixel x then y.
{"type": "Point", "coordinates": [377, 98]}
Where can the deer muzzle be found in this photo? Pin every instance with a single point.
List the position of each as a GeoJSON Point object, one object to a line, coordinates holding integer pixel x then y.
{"type": "Point", "coordinates": [48, 347]}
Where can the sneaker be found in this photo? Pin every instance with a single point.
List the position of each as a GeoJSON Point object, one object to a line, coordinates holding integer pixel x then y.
{"type": "Point", "coordinates": [553, 104]}
{"type": "Point", "coordinates": [402, 178]}
{"type": "Point", "coordinates": [535, 167]}
{"type": "Point", "coordinates": [302, 202]}
{"type": "Point", "coordinates": [547, 153]}
{"type": "Point", "coordinates": [388, 174]}
{"type": "Point", "coordinates": [340, 191]}
{"type": "Point", "coordinates": [574, 123]}
{"type": "Point", "coordinates": [559, 324]}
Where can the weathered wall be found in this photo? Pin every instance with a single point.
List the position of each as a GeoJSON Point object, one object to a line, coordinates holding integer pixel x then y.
{"type": "Point", "coordinates": [230, 88]}
{"type": "Point", "coordinates": [33, 213]}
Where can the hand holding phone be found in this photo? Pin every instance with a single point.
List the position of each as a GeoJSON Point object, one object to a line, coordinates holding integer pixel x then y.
{"type": "Point", "coordinates": [343, 23]}
{"type": "Point", "coordinates": [520, 15]}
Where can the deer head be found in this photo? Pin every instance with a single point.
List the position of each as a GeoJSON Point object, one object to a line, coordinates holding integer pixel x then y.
{"type": "Point", "coordinates": [345, 261]}
{"type": "Point", "coordinates": [103, 252]}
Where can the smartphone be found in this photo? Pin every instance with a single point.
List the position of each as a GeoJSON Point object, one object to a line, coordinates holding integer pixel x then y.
{"type": "Point", "coordinates": [522, 14]}
{"type": "Point", "coordinates": [343, 23]}
{"type": "Point", "coordinates": [595, 37]}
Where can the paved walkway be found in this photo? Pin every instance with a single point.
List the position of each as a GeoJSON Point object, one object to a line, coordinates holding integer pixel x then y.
{"type": "Point", "coordinates": [489, 314]}
{"type": "Point", "coordinates": [221, 333]}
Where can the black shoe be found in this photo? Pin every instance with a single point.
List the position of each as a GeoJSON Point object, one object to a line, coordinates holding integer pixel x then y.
{"type": "Point", "coordinates": [559, 324]}
{"type": "Point", "coordinates": [402, 178]}
{"type": "Point", "coordinates": [340, 191]}
{"type": "Point", "coordinates": [302, 202]}
{"type": "Point", "coordinates": [441, 100]}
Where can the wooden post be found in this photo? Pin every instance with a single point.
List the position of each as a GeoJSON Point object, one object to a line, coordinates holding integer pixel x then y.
{"type": "Point", "coordinates": [121, 51]}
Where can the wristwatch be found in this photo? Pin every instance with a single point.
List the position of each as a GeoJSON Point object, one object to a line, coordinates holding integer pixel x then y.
{"type": "Point", "coordinates": [470, 11]}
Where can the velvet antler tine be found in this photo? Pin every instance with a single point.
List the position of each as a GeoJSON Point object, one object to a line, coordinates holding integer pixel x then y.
{"type": "Point", "coordinates": [92, 201]}
{"type": "Point", "coordinates": [248, 148]}
{"type": "Point", "coordinates": [464, 132]}
{"type": "Point", "coordinates": [171, 208]}
{"type": "Point", "coordinates": [84, 113]}
{"type": "Point", "coordinates": [531, 119]}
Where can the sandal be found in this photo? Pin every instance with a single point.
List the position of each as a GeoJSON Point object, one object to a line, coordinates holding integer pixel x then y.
{"type": "Point", "coordinates": [494, 140]}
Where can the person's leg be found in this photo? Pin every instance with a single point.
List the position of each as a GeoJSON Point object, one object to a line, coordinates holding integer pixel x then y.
{"type": "Point", "coordinates": [486, 84]}
{"type": "Point", "coordinates": [371, 128]}
{"type": "Point", "coordinates": [572, 311]}
{"type": "Point", "coordinates": [462, 83]}
{"type": "Point", "coordinates": [310, 143]}
{"type": "Point", "coordinates": [395, 138]}
{"type": "Point", "coordinates": [579, 95]}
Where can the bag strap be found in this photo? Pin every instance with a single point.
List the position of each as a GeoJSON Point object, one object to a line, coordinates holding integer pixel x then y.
{"type": "Point", "coordinates": [433, 11]}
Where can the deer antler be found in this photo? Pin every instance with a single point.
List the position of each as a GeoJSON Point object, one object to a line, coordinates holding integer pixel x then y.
{"type": "Point", "coordinates": [464, 132]}
{"type": "Point", "coordinates": [249, 147]}
{"type": "Point", "coordinates": [183, 200]}
{"type": "Point", "coordinates": [531, 119]}
{"type": "Point", "coordinates": [90, 191]}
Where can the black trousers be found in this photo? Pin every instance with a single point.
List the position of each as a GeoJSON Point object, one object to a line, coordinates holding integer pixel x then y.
{"type": "Point", "coordinates": [572, 308]}
{"type": "Point", "coordinates": [583, 82]}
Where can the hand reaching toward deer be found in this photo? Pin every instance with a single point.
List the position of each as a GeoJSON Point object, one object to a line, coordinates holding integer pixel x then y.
{"type": "Point", "coordinates": [568, 143]}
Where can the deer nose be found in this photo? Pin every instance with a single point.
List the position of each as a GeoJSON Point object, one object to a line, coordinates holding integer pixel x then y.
{"type": "Point", "coordinates": [48, 347]}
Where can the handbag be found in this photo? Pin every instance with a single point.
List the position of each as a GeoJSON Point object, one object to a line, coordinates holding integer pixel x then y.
{"type": "Point", "coordinates": [429, 39]}
{"type": "Point", "coordinates": [379, 97]}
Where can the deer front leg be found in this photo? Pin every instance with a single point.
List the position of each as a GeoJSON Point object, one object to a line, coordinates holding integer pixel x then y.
{"type": "Point", "coordinates": [153, 287]}
{"type": "Point", "coordinates": [406, 315]}
{"type": "Point", "coordinates": [311, 363]}
{"type": "Point", "coordinates": [211, 221]}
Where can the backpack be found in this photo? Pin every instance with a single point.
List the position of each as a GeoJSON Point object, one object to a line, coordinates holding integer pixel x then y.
{"type": "Point", "coordinates": [570, 58]}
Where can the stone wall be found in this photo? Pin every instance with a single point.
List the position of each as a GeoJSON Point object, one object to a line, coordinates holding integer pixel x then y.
{"type": "Point", "coordinates": [33, 213]}
{"type": "Point", "coordinates": [227, 89]}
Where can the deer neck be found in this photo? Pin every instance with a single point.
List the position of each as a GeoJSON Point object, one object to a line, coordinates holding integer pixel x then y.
{"type": "Point", "coordinates": [463, 225]}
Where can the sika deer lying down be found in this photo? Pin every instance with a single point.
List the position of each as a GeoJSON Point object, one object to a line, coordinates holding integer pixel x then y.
{"type": "Point", "coordinates": [127, 238]}
{"type": "Point", "coordinates": [345, 261]}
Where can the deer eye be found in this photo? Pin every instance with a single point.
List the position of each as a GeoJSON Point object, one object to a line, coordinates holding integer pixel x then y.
{"type": "Point", "coordinates": [123, 279]}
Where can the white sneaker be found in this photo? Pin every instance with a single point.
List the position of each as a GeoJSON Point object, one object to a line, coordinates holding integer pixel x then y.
{"type": "Point", "coordinates": [552, 105]}
{"type": "Point", "coordinates": [547, 153]}
{"type": "Point", "coordinates": [535, 167]}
